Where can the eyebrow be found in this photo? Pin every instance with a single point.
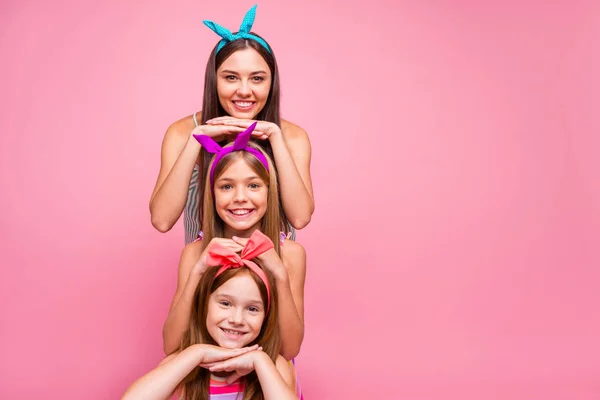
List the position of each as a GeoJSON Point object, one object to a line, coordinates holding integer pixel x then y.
{"type": "Point", "coordinates": [230, 297]}
{"type": "Point", "coordinates": [227, 71]}
{"type": "Point", "coordinates": [250, 178]}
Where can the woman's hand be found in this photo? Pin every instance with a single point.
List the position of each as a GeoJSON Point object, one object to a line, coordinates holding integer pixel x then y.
{"type": "Point", "coordinates": [263, 130]}
{"type": "Point", "coordinates": [218, 132]}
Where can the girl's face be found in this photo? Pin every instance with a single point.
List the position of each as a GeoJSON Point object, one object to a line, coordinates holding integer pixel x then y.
{"type": "Point", "coordinates": [243, 84]}
{"type": "Point", "coordinates": [240, 198]}
{"type": "Point", "coordinates": [235, 312]}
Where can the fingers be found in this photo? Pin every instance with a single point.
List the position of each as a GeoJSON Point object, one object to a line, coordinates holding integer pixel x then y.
{"type": "Point", "coordinates": [228, 121]}
{"type": "Point", "coordinates": [240, 241]}
{"type": "Point", "coordinates": [229, 243]}
{"type": "Point", "coordinates": [227, 118]}
{"type": "Point", "coordinates": [220, 366]}
{"type": "Point", "coordinates": [209, 365]}
{"type": "Point", "coordinates": [259, 135]}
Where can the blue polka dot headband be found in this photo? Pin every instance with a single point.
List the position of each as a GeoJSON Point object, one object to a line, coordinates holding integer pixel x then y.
{"type": "Point", "coordinates": [244, 31]}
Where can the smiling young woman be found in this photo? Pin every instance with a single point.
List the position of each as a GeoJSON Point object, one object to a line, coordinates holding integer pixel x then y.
{"type": "Point", "coordinates": [241, 86]}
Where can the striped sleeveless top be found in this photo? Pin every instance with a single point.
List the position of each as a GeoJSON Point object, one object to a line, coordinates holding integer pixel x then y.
{"type": "Point", "coordinates": [220, 390]}
{"type": "Point", "coordinates": [191, 212]}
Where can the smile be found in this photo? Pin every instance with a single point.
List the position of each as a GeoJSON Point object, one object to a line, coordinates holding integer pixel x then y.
{"type": "Point", "coordinates": [233, 333]}
{"type": "Point", "coordinates": [241, 212]}
{"type": "Point", "coordinates": [243, 105]}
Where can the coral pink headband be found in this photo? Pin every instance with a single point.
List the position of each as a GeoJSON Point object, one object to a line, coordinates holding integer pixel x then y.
{"type": "Point", "coordinates": [257, 244]}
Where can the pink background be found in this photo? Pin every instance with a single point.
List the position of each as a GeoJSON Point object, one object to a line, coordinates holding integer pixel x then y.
{"type": "Point", "coordinates": [453, 251]}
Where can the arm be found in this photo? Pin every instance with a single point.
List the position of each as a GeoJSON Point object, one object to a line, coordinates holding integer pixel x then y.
{"type": "Point", "coordinates": [179, 313]}
{"type": "Point", "coordinates": [178, 156]}
{"type": "Point", "coordinates": [289, 275]}
{"type": "Point", "coordinates": [290, 288]}
{"type": "Point", "coordinates": [292, 154]}
{"type": "Point", "coordinates": [161, 382]}
{"type": "Point", "coordinates": [276, 381]}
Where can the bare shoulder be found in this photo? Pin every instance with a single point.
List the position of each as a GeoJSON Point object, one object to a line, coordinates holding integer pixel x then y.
{"type": "Point", "coordinates": [292, 248]}
{"type": "Point", "coordinates": [293, 131]}
{"type": "Point", "coordinates": [190, 254]}
{"type": "Point", "coordinates": [293, 254]}
{"type": "Point", "coordinates": [183, 126]}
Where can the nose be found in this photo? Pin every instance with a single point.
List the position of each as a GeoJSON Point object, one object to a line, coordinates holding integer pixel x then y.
{"type": "Point", "coordinates": [240, 194]}
{"type": "Point", "coordinates": [237, 316]}
{"type": "Point", "coordinates": [244, 88]}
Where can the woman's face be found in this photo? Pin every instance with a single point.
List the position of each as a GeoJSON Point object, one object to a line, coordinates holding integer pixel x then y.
{"type": "Point", "coordinates": [243, 83]}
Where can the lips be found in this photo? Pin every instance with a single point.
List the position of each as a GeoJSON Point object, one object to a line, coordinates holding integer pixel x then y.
{"type": "Point", "coordinates": [243, 105]}
{"type": "Point", "coordinates": [233, 334]}
{"type": "Point", "coordinates": [241, 213]}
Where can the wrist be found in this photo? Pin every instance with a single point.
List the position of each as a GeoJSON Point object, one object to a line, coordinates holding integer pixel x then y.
{"type": "Point", "coordinates": [192, 140]}
{"type": "Point", "coordinates": [197, 351]}
{"type": "Point", "coordinates": [275, 135]}
{"type": "Point", "coordinates": [260, 357]}
{"type": "Point", "coordinates": [281, 275]}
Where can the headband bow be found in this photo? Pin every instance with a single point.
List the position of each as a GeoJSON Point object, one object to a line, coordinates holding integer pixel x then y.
{"type": "Point", "coordinates": [257, 244]}
{"type": "Point", "coordinates": [240, 144]}
{"type": "Point", "coordinates": [244, 31]}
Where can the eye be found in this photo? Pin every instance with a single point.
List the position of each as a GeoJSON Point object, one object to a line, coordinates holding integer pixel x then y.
{"type": "Point", "coordinates": [231, 78]}
{"type": "Point", "coordinates": [254, 185]}
{"type": "Point", "coordinates": [253, 309]}
{"type": "Point", "coordinates": [258, 78]}
{"type": "Point", "coordinates": [225, 187]}
{"type": "Point", "coordinates": [224, 303]}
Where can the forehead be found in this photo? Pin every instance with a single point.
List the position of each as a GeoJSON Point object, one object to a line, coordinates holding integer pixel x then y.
{"type": "Point", "coordinates": [238, 169]}
{"type": "Point", "coordinates": [242, 287]}
{"type": "Point", "coordinates": [247, 60]}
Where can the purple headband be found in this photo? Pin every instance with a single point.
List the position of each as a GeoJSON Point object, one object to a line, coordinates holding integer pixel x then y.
{"type": "Point", "coordinates": [240, 144]}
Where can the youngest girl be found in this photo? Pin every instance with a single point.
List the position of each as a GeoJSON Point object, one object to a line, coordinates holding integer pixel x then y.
{"type": "Point", "coordinates": [231, 348]}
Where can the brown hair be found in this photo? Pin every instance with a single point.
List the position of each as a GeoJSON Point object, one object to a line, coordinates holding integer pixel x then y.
{"type": "Point", "coordinates": [196, 384]}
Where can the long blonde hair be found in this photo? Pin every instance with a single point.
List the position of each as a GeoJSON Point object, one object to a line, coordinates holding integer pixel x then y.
{"type": "Point", "coordinates": [271, 223]}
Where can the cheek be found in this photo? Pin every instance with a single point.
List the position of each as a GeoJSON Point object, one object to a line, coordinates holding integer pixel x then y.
{"type": "Point", "coordinates": [221, 200]}
{"type": "Point", "coordinates": [264, 92]}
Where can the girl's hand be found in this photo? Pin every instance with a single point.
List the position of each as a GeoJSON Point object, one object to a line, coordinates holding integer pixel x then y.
{"type": "Point", "coordinates": [214, 355]}
{"type": "Point", "coordinates": [240, 366]}
{"type": "Point", "coordinates": [218, 132]}
{"type": "Point", "coordinates": [264, 130]}
{"type": "Point", "coordinates": [269, 259]}
{"type": "Point", "coordinates": [200, 266]}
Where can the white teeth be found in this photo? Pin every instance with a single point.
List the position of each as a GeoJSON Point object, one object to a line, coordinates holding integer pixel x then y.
{"type": "Point", "coordinates": [243, 103]}
{"type": "Point", "coordinates": [233, 332]}
{"type": "Point", "coordinates": [240, 212]}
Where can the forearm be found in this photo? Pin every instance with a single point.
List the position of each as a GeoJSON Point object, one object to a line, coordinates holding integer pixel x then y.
{"type": "Point", "coordinates": [178, 319]}
{"type": "Point", "coordinates": [168, 202]}
{"type": "Point", "coordinates": [161, 382]}
{"type": "Point", "coordinates": [296, 199]}
{"type": "Point", "coordinates": [272, 383]}
{"type": "Point", "coordinates": [291, 326]}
